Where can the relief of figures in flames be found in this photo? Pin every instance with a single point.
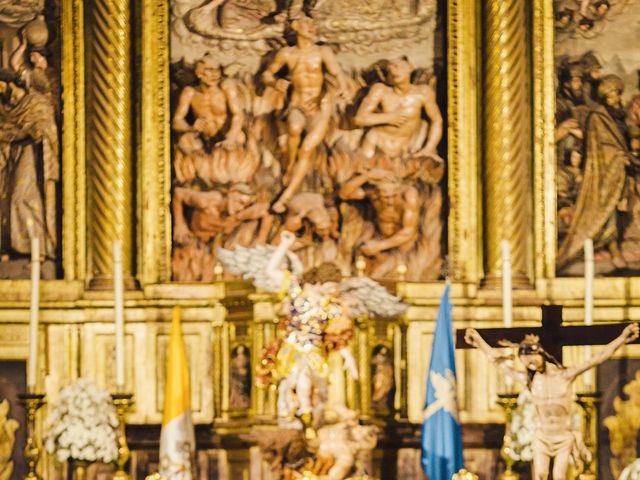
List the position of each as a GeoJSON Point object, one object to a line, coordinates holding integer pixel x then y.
{"type": "Point", "coordinates": [29, 152]}
{"type": "Point", "coordinates": [344, 158]}
{"type": "Point", "coordinates": [598, 138]}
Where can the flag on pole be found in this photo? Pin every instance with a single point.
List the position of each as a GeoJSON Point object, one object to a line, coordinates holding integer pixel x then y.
{"type": "Point", "coordinates": [177, 438]}
{"type": "Point", "coordinates": [441, 433]}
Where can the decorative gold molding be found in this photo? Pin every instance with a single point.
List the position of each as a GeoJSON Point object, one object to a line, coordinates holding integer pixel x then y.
{"type": "Point", "coordinates": [465, 245]}
{"type": "Point", "coordinates": [110, 178]}
{"type": "Point", "coordinates": [544, 164]}
{"type": "Point", "coordinates": [507, 170]}
{"type": "Point", "coordinates": [154, 152]}
{"type": "Point", "coordinates": [73, 141]}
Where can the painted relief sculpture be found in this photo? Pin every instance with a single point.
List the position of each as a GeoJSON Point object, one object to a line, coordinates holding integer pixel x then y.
{"type": "Point", "coordinates": [318, 308]}
{"type": "Point", "coordinates": [550, 386]}
{"type": "Point", "coordinates": [300, 138]}
{"type": "Point", "coordinates": [29, 138]}
{"type": "Point", "coordinates": [597, 135]}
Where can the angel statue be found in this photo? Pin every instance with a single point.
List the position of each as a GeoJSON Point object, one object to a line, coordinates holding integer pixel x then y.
{"type": "Point", "coordinates": [317, 310]}
{"type": "Point", "coordinates": [550, 385]}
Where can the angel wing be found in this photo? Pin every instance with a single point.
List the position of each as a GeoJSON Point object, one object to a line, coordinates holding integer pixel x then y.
{"type": "Point", "coordinates": [366, 296]}
{"type": "Point", "coordinates": [251, 264]}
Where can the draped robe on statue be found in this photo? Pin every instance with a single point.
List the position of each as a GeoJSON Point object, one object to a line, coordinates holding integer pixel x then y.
{"type": "Point", "coordinates": [606, 158]}
{"type": "Point", "coordinates": [29, 170]}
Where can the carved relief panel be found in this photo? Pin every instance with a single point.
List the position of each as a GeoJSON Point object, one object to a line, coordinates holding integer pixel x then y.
{"type": "Point", "coordinates": [29, 135]}
{"type": "Point", "coordinates": [597, 129]}
{"type": "Point", "coordinates": [319, 118]}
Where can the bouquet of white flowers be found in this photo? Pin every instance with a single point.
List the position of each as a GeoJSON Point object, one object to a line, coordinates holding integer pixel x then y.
{"type": "Point", "coordinates": [523, 427]}
{"type": "Point", "coordinates": [82, 425]}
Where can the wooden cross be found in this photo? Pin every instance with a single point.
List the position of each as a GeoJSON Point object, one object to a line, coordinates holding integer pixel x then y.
{"type": "Point", "coordinates": [553, 334]}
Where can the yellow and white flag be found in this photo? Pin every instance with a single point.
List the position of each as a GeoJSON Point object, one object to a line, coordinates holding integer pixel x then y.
{"type": "Point", "coordinates": [177, 439]}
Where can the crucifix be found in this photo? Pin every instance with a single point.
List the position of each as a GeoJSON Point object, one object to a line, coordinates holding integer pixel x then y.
{"type": "Point", "coordinates": [553, 334]}
{"type": "Point", "coordinates": [548, 381]}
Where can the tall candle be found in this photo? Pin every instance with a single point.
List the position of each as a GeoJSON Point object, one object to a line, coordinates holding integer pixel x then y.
{"type": "Point", "coordinates": [119, 313]}
{"type": "Point", "coordinates": [33, 320]}
{"type": "Point", "coordinates": [588, 304]}
{"type": "Point", "coordinates": [507, 303]}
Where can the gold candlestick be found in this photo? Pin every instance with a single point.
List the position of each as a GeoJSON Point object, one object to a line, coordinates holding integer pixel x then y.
{"type": "Point", "coordinates": [589, 402]}
{"type": "Point", "coordinates": [31, 402]}
{"type": "Point", "coordinates": [122, 402]}
{"type": "Point", "coordinates": [508, 402]}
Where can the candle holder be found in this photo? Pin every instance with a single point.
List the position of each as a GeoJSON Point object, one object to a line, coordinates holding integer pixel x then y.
{"type": "Point", "coordinates": [123, 403]}
{"type": "Point", "coordinates": [31, 403]}
{"type": "Point", "coordinates": [589, 402]}
{"type": "Point", "coordinates": [508, 402]}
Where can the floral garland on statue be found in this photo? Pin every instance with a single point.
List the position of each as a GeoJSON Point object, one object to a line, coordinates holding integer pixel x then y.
{"type": "Point", "coordinates": [82, 425]}
{"type": "Point", "coordinates": [523, 427]}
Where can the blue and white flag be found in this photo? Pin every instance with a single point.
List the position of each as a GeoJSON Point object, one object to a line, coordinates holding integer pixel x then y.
{"type": "Point", "coordinates": [441, 432]}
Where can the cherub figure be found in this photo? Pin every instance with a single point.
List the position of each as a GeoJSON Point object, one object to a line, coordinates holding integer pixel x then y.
{"type": "Point", "coordinates": [550, 386]}
{"type": "Point", "coordinates": [317, 310]}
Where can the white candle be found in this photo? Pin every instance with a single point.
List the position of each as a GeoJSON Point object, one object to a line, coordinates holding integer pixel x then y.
{"type": "Point", "coordinates": [588, 304]}
{"type": "Point", "coordinates": [119, 313]}
{"type": "Point", "coordinates": [33, 320]}
{"type": "Point", "coordinates": [507, 303]}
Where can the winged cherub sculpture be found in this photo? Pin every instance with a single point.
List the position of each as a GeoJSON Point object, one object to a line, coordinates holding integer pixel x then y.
{"type": "Point", "coordinates": [317, 310]}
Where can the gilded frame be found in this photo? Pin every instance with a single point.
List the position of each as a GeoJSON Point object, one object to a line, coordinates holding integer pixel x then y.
{"type": "Point", "coordinates": [154, 152]}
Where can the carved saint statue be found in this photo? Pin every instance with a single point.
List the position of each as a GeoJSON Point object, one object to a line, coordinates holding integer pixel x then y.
{"type": "Point", "coordinates": [240, 378]}
{"type": "Point", "coordinates": [28, 133]}
{"type": "Point", "coordinates": [317, 311]}
{"type": "Point", "coordinates": [382, 378]}
{"type": "Point", "coordinates": [550, 386]}
{"type": "Point", "coordinates": [311, 104]}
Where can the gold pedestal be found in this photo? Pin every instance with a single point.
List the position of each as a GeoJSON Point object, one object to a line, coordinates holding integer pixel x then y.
{"type": "Point", "coordinates": [31, 403]}
{"type": "Point", "coordinates": [589, 402]}
{"type": "Point", "coordinates": [122, 402]}
{"type": "Point", "coordinates": [508, 402]}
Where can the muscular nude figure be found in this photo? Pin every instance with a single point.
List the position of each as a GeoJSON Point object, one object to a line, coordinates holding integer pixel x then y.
{"type": "Point", "coordinates": [550, 386]}
{"type": "Point", "coordinates": [396, 208]}
{"type": "Point", "coordinates": [311, 104]}
{"type": "Point", "coordinates": [394, 113]}
{"type": "Point", "coordinates": [210, 103]}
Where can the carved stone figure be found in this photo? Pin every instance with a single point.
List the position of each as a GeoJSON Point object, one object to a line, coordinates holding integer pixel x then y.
{"type": "Point", "coordinates": [382, 378]}
{"type": "Point", "coordinates": [550, 386]}
{"type": "Point", "coordinates": [236, 15]}
{"type": "Point", "coordinates": [291, 132]}
{"type": "Point", "coordinates": [311, 104]}
{"type": "Point", "coordinates": [393, 114]}
{"type": "Point", "coordinates": [396, 207]}
{"type": "Point", "coordinates": [207, 148]}
{"type": "Point", "coordinates": [240, 378]}
{"type": "Point", "coordinates": [342, 444]}
{"type": "Point", "coordinates": [316, 226]}
{"type": "Point", "coordinates": [8, 427]}
{"type": "Point", "coordinates": [28, 135]}
{"type": "Point", "coordinates": [597, 215]}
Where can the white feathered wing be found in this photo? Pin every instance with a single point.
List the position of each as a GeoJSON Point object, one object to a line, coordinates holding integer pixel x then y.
{"type": "Point", "coordinates": [367, 297]}
{"type": "Point", "coordinates": [251, 264]}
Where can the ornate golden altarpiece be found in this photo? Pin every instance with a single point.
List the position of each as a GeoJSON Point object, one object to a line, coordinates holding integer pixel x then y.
{"type": "Point", "coordinates": [501, 185]}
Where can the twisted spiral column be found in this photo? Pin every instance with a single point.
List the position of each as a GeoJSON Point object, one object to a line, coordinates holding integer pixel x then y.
{"type": "Point", "coordinates": [110, 138]}
{"type": "Point", "coordinates": [507, 165]}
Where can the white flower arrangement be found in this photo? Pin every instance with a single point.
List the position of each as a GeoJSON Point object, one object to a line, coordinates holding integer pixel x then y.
{"type": "Point", "coordinates": [523, 427]}
{"type": "Point", "coordinates": [82, 425]}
